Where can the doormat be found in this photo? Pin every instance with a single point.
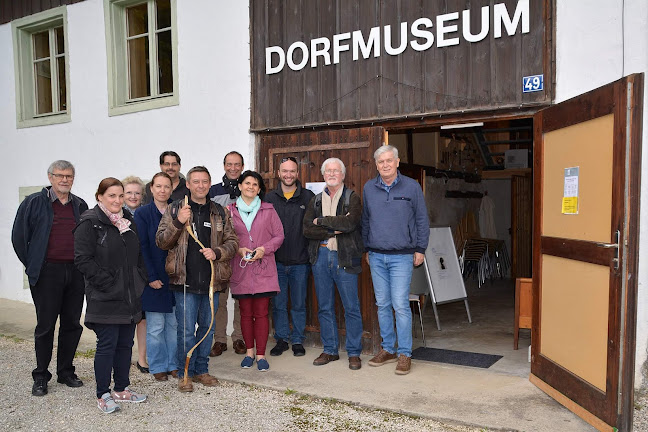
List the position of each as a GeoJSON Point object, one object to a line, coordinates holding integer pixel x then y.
{"type": "Point", "coordinates": [462, 358]}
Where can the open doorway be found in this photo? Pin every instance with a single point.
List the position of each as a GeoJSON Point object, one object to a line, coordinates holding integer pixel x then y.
{"type": "Point", "coordinates": [477, 179]}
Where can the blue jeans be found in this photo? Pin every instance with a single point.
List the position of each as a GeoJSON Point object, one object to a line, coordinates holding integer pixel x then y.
{"type": "Point", "coordinates": [195, 310]}
{"type": "Point", "coordinates": [295, 277]}
{"type": "Point", "coordinates": [326, 273]}
{"type": "Point", "coordinates": [113, 355]}
{"type": "Point", "coordinates": [161, 342]}
{"type": "Point", "coordinates": [391, 276]}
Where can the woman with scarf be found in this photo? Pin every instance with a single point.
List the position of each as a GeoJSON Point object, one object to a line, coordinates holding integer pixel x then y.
{"type": "Point", "coordinates": [133, 194]}
{"type": "Point", "coordinates": [158, 301]}
{"type": "Point", "coordinates": [107, 253]}
{"type": "Point", "coordinates": [254, 271]}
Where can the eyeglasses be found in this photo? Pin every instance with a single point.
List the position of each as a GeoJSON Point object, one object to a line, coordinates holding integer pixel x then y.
{"type": "Point", "coordinates": [62, 176]}
{"type": "Point", "coordinates": [171, 164]}
{"type": "Point", "coordinates": [289, 158]}
{"type": "Point", "coordinates": [333, 172]}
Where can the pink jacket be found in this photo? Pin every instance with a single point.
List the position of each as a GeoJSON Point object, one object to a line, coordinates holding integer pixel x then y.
{"type": "Point", "coordinates": [267, 231]}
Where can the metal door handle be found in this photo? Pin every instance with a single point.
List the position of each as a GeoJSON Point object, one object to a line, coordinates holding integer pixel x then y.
{"type": "Point", "coordinates": [615, 246]}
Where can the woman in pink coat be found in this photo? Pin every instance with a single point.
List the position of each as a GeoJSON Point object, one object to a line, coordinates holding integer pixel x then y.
{"type": "Point", "coordinates": [254, 277]}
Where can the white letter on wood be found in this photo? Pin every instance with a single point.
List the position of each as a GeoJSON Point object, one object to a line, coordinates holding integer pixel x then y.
{"type": "Point", "coordinates": [291, 62]}
{"type": "Point", "coordinates": [268, 58]}
{"type": "Point", "coordinates": [501, 16]}
{"type": "Point", "coordinates": [324, 52]}
{"type": "Point", "coordinates": [485, 23]}
{"type": "Point", "coordinates": [442, 29]}
{"type": "Point", "coordinates": [337, 48]}
{"type": "Point", "coordinates": [420, 33]}
{"type": "Point", "coordinates": [373, 41]}
{"type": "Point", "coordinates": [403, 40]}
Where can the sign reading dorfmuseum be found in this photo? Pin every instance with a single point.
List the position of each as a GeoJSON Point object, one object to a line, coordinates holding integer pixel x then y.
{"type": "Point", "coordinates": [320, 61]}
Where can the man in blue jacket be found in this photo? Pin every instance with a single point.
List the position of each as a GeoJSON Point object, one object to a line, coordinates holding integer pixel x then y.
{"type": "Point", "coordinates": [395, 232]}
{"type": "Point", "coordinates": [43, 240]}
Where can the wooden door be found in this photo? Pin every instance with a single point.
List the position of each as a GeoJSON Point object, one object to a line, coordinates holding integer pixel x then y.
{"type": "Point", "coordinates": [521, 225]}
{"type": "Point", "coordinates": [355, 147]}
{"type": "Point", "coordinates": [584, 264]}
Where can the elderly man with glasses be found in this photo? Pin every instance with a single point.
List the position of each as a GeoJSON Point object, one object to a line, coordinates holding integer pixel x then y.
{"type": "Point", "coordinates": [170, 164]}
{"type": "Point", "coordinates": [290, 200]}
{"type": "Point", "coordinates": [43, 240]}
{"type": "Point", "coordinates": [332, 225]}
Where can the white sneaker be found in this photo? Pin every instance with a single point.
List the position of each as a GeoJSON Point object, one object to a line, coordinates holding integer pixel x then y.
{"type": "Point", "coordinates": [106, 404]}
{"type": "Point", "coordinates": [128, 395]}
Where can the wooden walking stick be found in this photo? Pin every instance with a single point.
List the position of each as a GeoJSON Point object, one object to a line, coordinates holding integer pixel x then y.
{"type": "Point", "coordinates": [211, 298]}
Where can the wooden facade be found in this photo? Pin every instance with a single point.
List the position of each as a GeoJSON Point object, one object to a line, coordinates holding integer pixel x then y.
{"type": "Point", "coordinates": [355, 147]}
{"type": "Point", "coordinates": [465, 77]}
{"type": "Point", "coordinates": [14, 9]}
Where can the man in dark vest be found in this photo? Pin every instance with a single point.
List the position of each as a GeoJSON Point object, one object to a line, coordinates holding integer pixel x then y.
{"type": "Point", "coordinates": [43, 240]}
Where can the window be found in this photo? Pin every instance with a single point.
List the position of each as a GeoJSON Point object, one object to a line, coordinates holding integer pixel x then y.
{"type": "Point", "coordinates": [41, 68]}
{"type": "Point", "coordinates": [142, 54]}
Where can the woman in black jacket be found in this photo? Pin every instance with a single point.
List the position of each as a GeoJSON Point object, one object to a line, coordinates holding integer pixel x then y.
{"type": "Point", "coordinates": [107, 252]}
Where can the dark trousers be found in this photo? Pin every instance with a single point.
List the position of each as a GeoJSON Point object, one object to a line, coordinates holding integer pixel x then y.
{"type": "Point", "coordinates": [113, 356]}
{"type": "Point", "coordinates": [58, 292]}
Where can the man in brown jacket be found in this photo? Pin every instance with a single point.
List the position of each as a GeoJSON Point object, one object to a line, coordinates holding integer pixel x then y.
{"type": "Point", "coordinates": [190, 275]}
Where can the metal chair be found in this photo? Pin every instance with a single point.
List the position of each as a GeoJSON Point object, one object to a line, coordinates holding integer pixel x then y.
{"type": "Point", "coordinates": [415, 298]}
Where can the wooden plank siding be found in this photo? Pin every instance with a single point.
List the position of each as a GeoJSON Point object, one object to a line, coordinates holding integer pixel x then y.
{"type": "Point", "coordinates": [14, 9]}
{"type": "Point", "coordinates": [485, 75]}
{"type": "Point", "coordinates": [355, 147]}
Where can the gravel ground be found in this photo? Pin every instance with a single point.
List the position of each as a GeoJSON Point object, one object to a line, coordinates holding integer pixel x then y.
{"type": "Point", "coordinates": [228, 407]}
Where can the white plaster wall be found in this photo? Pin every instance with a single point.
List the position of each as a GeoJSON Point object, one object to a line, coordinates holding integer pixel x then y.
{"type": "Point", "coordinates": [597, 42]}
{"type": "Point", "coordinates": [212, 118]}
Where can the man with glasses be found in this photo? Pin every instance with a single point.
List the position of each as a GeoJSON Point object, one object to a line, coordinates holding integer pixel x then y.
{"type": "Point", "coordinates": [224, 194]}
{"type": "Point", "coordinates": [170, 164]}
{"type": "Point", "coordinates": [43, 240]}
{"type": "Point", "coordinates": [395, 232]}
{"type": "Point", "coordinates": [290, 201]}
{"type": "Point", "coordinates": [332, 223]}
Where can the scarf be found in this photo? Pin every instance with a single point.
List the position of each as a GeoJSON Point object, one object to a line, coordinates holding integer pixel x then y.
{"type": "Point", "coordinates": [248, 212]}
{"type": "Point", "coordinates": [329, 208]}
{"type": "Point", "coordinates": [117, 219]}
{"type": "Point", "coordinates": [231, 186]}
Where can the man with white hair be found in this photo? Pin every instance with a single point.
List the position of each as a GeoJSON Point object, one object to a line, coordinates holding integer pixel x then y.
{"type": "Point", "coordinates": [395, 232]}
{"type": "Point", "coordinates": [332, 225]}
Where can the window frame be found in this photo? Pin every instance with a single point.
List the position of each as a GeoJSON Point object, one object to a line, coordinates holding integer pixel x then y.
{"type": "Point", "coordinates": [23, 30]}
{"type": "Point", "coordinates": [119, 101]}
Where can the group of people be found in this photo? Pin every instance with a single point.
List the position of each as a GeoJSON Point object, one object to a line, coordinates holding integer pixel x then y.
{"type": "Point", "coordinates": [162, 258]}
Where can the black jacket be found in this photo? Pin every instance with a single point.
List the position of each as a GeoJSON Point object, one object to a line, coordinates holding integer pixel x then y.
{"type": "Point", "coordinates": [294, 249]}
{"type": "Point", "coordinates": [31, 230]}
{"type": "Point", "coordinates": [347, 220]}
{"type": "Point", "coordinates": [112, 267]}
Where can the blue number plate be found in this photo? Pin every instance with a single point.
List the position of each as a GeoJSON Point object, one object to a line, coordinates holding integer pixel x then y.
{"type": "Point", "coordinates": [532, 83]}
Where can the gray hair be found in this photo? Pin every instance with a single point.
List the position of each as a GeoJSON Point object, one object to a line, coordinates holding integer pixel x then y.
{"type": "Point", "coordinates": [60, 165]}
{"type": "Point", "coordinates": [385, 149]}
{"type": "Point", "coordinates": [333, 160]}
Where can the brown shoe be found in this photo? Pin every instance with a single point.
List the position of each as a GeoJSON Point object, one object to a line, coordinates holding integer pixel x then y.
{"type": "Point", "coordinates": [383, 357]}
{"type": "Point", "coordinates": [173, 373]}
{"type": "Point", "coordinates": [404, 365]}
{"type": "Point", "coordinates": [239, 346]}
{"type": "Point", "coordinates": [355, 363]}
{"type": "Point", "coordinates": [218, 349]}
{"type": "Point", "coordinates": [185, 387]}
{"type": "Point", "coordinates": [160, 376]}
{"type": "Point", "coordinates": [206, 380]}
{"type": "Point", "coordinates": [325, 359]}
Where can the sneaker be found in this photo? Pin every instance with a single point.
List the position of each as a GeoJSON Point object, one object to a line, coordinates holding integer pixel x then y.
{"type": "Point", "coordinates": [247, 362]}
{"type": "Point", "coordinates": [298, 350]}
{"type": "Point", "coordinates": [263, 365]}
{"type": "Point", "coordinates": [128, 395]}
{"type": "Point", "coordinates": [281, 346]}
{"type": "Point", "coordinates": [404, 365]}
{"type": "Point", "coordinates": [106, 404]}
{"type": "Point", "coordinates": [383, 357]}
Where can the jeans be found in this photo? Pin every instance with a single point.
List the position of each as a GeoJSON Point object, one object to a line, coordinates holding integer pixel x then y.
{"type": "Point", "coordinates": [295, 277]}
{"type": "Point", "coordinates": [161, 342]}
{"type": "Point", "coordinates": [194, 310]}
{"type": "Point", "coordinates": [58, 292]}
{"type": "Point", "coordinates": [326, 272]}
{"type": "Point", "coordinates": [114, 350]}
{"type": "Point", "coordinates": [391, 276]}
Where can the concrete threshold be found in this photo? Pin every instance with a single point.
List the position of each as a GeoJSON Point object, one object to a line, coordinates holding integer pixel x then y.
{"type": "Point", "coordinates": [451, 394]}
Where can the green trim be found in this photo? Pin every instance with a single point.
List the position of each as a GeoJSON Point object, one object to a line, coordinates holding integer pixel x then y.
{"type": "Point", "coordinates": [117, 65]}
{"type": "Point", "coordinates": [22, 29]}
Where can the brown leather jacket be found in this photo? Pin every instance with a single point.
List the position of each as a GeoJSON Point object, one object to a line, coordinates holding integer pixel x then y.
{"type": "Point", "coordinates": [172, 236]}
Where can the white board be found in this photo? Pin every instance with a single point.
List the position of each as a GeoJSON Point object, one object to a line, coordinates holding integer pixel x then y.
{"type": "Point", "coordinates": [443, 267]}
